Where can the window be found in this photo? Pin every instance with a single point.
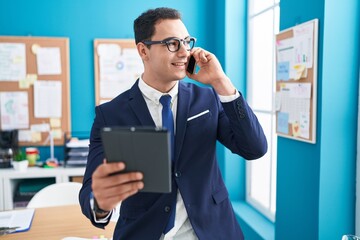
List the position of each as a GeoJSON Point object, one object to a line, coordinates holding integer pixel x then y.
{"type": "Point", "coordinates": [263, 24]}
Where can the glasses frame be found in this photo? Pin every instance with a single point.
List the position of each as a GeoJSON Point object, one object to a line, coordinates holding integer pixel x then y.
{"type": "Point", "coordinates": [168, 40]}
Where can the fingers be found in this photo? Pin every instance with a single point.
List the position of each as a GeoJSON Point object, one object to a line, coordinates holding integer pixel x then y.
{"type": "Point", "coordinates": [108, 199]}
{"type": "Point", "coordinates": [110, 184]}
{"type": "Point", "coordinates": [200, 55]}
{"type": "Point", "coordinates": [109, 174]}
{"type": "Point", "coordinates": [123, 178]}
{"type": "Point", "coordinates": [108, 168]}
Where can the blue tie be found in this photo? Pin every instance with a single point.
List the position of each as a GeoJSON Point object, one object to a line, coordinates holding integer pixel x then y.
{"type": "Point", "coordinates": [168, 122]}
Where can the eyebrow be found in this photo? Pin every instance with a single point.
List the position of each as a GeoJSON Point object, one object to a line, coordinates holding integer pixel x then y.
{"type": "Point", "coordinates": [169, 38]}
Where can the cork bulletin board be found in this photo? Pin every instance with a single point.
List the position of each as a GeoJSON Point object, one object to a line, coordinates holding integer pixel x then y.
{"type": "Point", "coordinates": [35, 88]}
{"type": "Point", "coordinates": [296, 82]}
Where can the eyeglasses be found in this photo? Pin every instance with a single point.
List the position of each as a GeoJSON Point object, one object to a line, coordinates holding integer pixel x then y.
{"type": "Point", "coordinates": [173, 44]}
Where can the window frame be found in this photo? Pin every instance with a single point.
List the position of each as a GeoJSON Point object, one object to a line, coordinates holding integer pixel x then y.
{"type": "Point", "coordinates": [272, 143]}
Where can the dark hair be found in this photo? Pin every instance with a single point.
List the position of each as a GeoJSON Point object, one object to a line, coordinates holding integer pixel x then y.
{"type": "Point", "coordinates": [144, 25]}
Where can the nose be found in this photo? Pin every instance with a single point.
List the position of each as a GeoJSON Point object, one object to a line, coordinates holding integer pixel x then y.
{"type": "Point", "coordinates": [183, 49]}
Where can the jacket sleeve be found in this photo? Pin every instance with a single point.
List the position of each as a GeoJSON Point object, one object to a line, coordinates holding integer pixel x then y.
{"type": "Point", "coordinates": [95, 158]}
{"type": "Point", "coordinates": [240, 131]}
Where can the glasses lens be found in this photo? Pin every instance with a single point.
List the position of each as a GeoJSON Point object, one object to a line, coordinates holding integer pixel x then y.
{"type": "Point", "coordinates": [190, 43]}
{"type": "Point", "coordinates": [173, 45]}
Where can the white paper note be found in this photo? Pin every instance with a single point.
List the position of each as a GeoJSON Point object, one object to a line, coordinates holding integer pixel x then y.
{"type": "Point", "coordinates": [47, 99]}
{"type": "Point", "coordinates": [12, 61]}
{"type": "Point", "coordinates": [118, 69]}
{"type": "Point", "coordinates": [48, 61]}
{"type": "Point", "coordinates": [285, 54]}
{"type": "Point", "coordinates": [295, 100]}
{"type": "Point", "coordinates": [303, 44]}
{"type": "Point", "coordinates": [14, 110]}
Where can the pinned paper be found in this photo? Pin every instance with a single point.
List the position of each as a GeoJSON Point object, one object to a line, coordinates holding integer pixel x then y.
{"type": "Point", "coordinates": [56, 133]}
{"type": "Point", "coordinates": [300, 71]}
{"type": "Point", "coordinates": [48, 61]}
{"type": "Point", "coordinates": [31, 78]}
{"type": "Point", "coordinates": [282, 71]}
{"type": "Point", "coordinates": [283, 122]}
{"type": "Point", "coordinates": [24, 136]}
{"type": "Point", "coordinates": [43, 127]}
{"type": "Point", "coordinates": [12, 61]}
{"type": "Point", "coordinates": [14, 110]}
{"type": "Point", "coordinates": [47, 99]}
{"type": "Point", "coordinates": [303, 44]}
{"type": "Point", "coordinates": [295, 129]}
{"type": "Point", "coordinates": [277, 101]}
{"type": "Point", "coordinates": [305, 124]}
{"type": "Point", "coordinates": [108, 50]}
{"type": "Point", "coordinates": [300, 90]}
{"type": "Point", "coordinates": [118, 68]}
{"type": "Point", "coordinates": [55, 122]}
{"type": "Point", "coordinates": [35, 136]}
{"type": "Point", "coordinates": [28, 81]}
{"type": "Point", "coordinates": [24, 84]}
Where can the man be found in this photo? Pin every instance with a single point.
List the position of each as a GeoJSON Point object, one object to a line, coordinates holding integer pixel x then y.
{"type": "Point", "coordinates": [202, 115]}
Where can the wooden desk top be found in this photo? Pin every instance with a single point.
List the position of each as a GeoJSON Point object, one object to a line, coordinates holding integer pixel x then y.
{"type": "Point", "coordinates": [60, 222]}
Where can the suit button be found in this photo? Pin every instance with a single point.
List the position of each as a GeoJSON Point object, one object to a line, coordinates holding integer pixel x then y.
{"type": "Point", "coordinates": [167, 209]}
{"type": "Point", "coordinates": [178, 174]}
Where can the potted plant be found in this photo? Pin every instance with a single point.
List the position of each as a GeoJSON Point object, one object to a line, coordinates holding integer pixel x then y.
{"type": "Point", "coordinates": [20, 163]}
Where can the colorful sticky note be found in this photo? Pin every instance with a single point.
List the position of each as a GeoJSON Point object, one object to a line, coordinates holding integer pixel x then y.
{"type": "Point", "coordinates": [56, 133]}
{"type": "Point", "coordinates": [300, 71]}
{"type": "Point", "coordinates": [35, 136]}
{"type": "Point", "coordinates": [283, 122]}
{"type": "Point", "coordinates": [295, 129]}
{"type": "Point", "coordinates": [282, 71]}
{"type": "Point", "coordinates": [55, 122]}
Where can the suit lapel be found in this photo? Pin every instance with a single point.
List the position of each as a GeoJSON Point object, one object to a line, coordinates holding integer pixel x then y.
{"type": "Point", "coordinates": [181, 117]}
{"type": "Point", "coordinates": [138, 105]}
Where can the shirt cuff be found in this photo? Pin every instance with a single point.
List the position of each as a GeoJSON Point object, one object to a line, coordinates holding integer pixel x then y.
{"type": "Point", "coordinates": [225, 99]}
{"type": "Point", "coordinates": [102, 220]}
{"type": "Point", "coordinates": [98, 220]}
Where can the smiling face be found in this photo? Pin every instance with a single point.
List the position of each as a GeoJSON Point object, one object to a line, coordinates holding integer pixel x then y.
{"type": "Point", "coordinates": [162, 67]}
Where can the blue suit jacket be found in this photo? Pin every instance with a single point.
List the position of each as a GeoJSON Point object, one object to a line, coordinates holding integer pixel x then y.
{"type": "Point", "coordinates": [195, 172]}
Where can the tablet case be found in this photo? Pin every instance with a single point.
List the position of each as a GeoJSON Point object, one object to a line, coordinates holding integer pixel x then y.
{"type": "Point", "coordinates": [142, 149]}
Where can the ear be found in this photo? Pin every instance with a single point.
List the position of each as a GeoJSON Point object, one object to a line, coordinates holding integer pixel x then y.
{"type": "Point", "coordinates": [143, 51]}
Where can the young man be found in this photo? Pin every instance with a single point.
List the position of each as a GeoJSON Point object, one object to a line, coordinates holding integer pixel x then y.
{"type": "Point", "coordinates": [198, 207]}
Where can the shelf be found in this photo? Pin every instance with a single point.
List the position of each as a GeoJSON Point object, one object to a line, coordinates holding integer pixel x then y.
{"type": "Point", "coordinates": [9, 178]}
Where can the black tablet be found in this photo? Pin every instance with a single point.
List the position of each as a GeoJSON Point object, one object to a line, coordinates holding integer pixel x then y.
{"type": "Point", "coordinates": [142, 149]}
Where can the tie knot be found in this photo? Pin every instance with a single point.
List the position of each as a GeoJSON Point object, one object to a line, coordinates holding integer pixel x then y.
{"type": "Point", "coordinates": [165, 100]}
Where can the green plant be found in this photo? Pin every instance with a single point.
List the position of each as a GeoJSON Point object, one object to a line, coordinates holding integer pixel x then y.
{"type": "Point", "coordinates": [19, 156]}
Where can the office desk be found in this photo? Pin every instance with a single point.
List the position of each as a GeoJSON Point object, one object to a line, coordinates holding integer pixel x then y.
{"type": "Point", "coordinates": [60, 222]}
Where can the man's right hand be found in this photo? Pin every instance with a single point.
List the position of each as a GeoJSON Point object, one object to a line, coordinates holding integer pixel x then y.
{"type": "Point", "coordinates": [110, 186]}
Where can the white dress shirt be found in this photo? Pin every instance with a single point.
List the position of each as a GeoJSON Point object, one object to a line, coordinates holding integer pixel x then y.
{"type": "Point", "coordinates": [182, 226]}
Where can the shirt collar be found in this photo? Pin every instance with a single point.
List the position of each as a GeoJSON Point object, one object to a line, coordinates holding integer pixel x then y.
{"type": "Point", "coordinates": [153, 94]}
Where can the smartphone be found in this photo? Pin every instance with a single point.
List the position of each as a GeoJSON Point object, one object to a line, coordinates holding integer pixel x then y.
{"type": "Point", "coordinates": [191, 65]}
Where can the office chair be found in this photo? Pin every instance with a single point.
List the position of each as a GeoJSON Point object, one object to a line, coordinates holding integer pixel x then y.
{"type": "Point", "coordinates": [57, 194]}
